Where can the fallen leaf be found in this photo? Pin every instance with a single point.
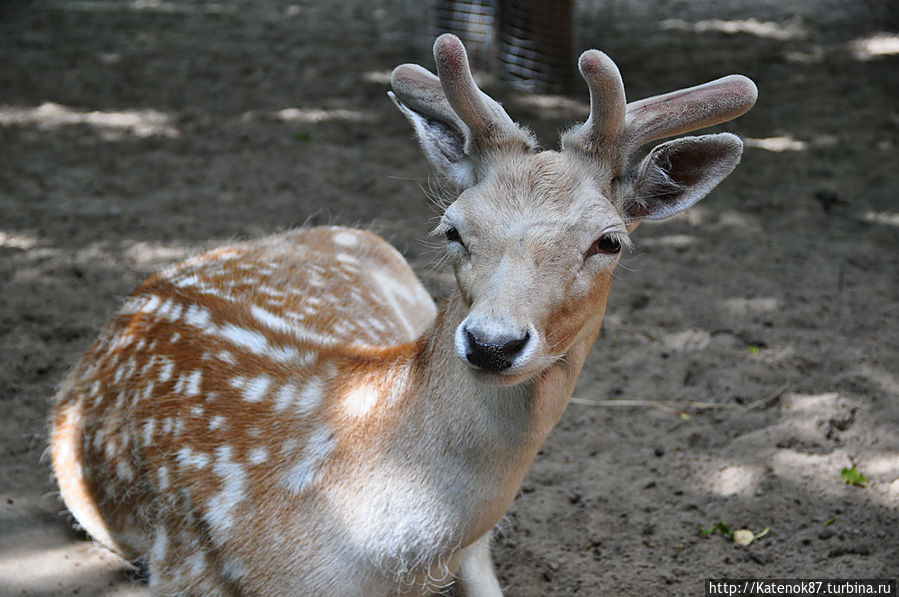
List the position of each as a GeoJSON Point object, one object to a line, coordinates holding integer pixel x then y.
{"type": "Point", "coordinates": [852, 476]}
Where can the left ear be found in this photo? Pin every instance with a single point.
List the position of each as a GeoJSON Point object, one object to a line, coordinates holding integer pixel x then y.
{"type": "Point", "coordinates": [677, 174]}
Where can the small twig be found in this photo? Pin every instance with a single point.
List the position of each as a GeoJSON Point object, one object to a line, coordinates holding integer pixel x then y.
{"type": "Point", "coordinates": [676, 405]}
{"type": "Point", "coordinates": [665, 404]}
{"type": "Point", "coordinates": [769, 398]}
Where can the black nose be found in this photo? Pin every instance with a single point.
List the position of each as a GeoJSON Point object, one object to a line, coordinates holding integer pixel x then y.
{"type": "Point", "coordinates": [496, 355]}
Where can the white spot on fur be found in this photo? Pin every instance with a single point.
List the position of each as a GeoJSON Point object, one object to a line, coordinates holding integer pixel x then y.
{"type": "Point", "coordinates": [151, 303]}
{"type": "Point", "coordinates": [169, 310]}
{"type": "Point", "coordinates": [361, 399]}
{"type": "Point", "coordinates": [319, 445]}
{"type": "Point", "coordinates": [347, 259]}
{"type": "Point", "coordinates": [283, 353]}
{"type": "Point", "coordinates": [346, 239]}
{"type": "Point", "coordinates": [226, 357]}
{"type": "Point", "coordinates": [197, 563]}
{"type": "Point", "coordinates": [254, 389]}
{"type": "Point", "coordinates": [285, 396]}
{"type": "Point", "coordinates": [188, 281]}
{"type": "Point", "coordinates": [216, 422]}
{"type": "Point", "coordinates": [310, 396]}
{"type": "Point", "coordinates": [165, 372]}
{"type": "Point", "coordinates": [179, 383]}
{"type": "Point", "coordinates": [124, 471]}
{"type": "Point", "coordinates": [252, 341]}
{"type": "Point", "coordinates": [220, 509]}
{"type": "Point", "coordinates": [289, 446]}
{"type": "Point", "coordinates": [188, 458]}
{"type": "Point", "coordinates": [257, 456]}
{"type": "Point", "coordinates": [192, 385]}
{"type": "Point", "coordinates": [280, 324]}
{"type": "Point", "coordinates": [197, 316]}
{"type": "Point", "coordinates": [160, 546]}
{"type": "Point", "coordinates": [148, 429]}
{"type": "Point", "coordinates": [232, 569]}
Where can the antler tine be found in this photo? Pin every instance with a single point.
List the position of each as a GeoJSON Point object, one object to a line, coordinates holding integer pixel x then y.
{"type": "Point", "coordinates": [605, 125]}
{"type": "Point", "coordinates": [688, 109]}
{"type": "Point", "coordinates": [485, 118]}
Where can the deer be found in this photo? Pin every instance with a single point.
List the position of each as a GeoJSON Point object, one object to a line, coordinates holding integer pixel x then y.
{"type": "Point", "coordinates": [293, 415]}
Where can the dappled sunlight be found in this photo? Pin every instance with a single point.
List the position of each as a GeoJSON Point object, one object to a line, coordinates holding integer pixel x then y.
{"type": "Point", "coordinates": [765, 29]}
{"type": "Point", "coordinates": [317, 115]}
{"type": "Point", "coordinates": [810, 417]}
{"type": "Point", "coordinates": [152, 255]}
{"type": "Point", "coordinates": [740, 306]}
{"type": "Point", "coordinates": [554, 106]}
{"type": "Point", "coordinates": [776, 144]}
{"type": "Point", "coordinates": [881, 468]}
{"type": "Point", "coordinates": [821, 470]}
{"type": "Point", "coordinates": [813, 54]}
{"type": "Point", "coordinates": [677, 241]}
{"type": "Point", "coordinates": [15, 240]}
{"type": "Point", "coordinates": [380, 77]}
{"type": "Point", "coordinates": [691, 339]}
{"type": "Point", "coordinates": [888, 218]}
{"type": "Point", "coordinates": [111, 125]}
{"type": "Point", "coordinates": [126, 254]}
{"type": "Point", "coordinates": [149, 6]}
{"type": "Point", "coordinates": [886, 381]}
{"type": "Point", "coordinates": [884, 466]}
{"type": "Point", "coordinates": [50, 569]}
{"type": "Point", "coordinates": [732, 218]}
{"type": "Point", "coordinates": [809, 446]}
{"type": "Point", "coordinates": [730, 479]}
{"type": "Point", "coordinates": [879, 44]}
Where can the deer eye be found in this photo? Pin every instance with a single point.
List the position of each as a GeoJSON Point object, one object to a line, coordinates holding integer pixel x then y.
{"type": "Point", "coordinates": [452, 236]}
{"type": "Point", "coordinates": [607, 243]}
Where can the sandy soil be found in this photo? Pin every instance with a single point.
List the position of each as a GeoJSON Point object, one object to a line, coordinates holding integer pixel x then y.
{"type": "Point", "coordinates": [133, 133]}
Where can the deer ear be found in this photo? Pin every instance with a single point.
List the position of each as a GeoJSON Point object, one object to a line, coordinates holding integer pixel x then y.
{"type": "Point", "coordinates": [443, 144]}
{"type": "Point", "coordinates": [677, 174]}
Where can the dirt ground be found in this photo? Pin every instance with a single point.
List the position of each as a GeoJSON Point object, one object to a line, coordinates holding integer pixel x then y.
{"type": "Point", "coordinates": [133, 133]}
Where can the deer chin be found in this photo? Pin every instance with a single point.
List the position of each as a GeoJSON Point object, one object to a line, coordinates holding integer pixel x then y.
{"type": "Point", "coordinates": [509, 377]}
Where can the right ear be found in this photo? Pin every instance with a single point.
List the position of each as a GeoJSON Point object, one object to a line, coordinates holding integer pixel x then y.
{"type": "Point", "coordinates": [443, 143]}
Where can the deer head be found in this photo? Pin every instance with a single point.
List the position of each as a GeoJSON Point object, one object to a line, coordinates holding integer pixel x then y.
{"type": "Point", "coordinates": [534, 235]}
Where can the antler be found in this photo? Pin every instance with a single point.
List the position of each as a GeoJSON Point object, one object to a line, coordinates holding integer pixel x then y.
{"type": "Point", "coordinates": [604, 128]}
{"type": "Point", "coordinates": [485, 118]}
{"type": "Point", "coordinates": [689, 109]}
{"type": "Point", "coordinates": [615, 129]}
{"type": "Point", "coordinates": [453, 97]}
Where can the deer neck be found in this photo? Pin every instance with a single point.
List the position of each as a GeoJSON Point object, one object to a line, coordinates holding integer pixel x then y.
{"type": "Point", "coordinates": [482, 438]}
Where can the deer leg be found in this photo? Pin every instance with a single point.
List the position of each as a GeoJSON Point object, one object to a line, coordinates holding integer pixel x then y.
{"type": "Point", "coordinates": [476, 577]}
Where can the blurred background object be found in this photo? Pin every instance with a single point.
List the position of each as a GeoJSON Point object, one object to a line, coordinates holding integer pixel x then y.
{"type": "Point", "coordinates": [527, 43]}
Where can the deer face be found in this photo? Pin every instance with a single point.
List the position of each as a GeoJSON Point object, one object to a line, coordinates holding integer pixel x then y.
{"type": "Point", "coordinates": [533, 246]}
{"type": "Point", "coordinates": [534, 235]}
